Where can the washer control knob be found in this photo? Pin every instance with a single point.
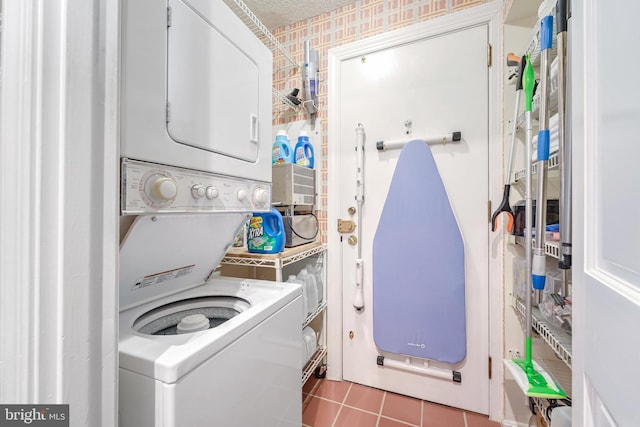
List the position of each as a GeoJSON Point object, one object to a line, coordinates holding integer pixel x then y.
{"type": "Point", "coordinates": [211, 192]}
{"type": "Point", "coordinates": [260, 196]}
{"type": "Point", "coordinates": [197, 191]}
{"type": "Point", "coordinates": [241, 194]}
{"type": "Point", "coordinates": [162, 189]}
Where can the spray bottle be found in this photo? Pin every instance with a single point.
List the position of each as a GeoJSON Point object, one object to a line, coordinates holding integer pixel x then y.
{"type": "Point", "coordinates": [310, 78]}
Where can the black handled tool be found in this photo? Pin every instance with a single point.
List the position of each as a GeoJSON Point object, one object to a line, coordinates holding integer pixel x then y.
{"type": "Point", "coordinates": [504, 205]}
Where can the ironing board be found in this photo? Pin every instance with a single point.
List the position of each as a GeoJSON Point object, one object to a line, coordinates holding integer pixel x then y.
{"type": "Point", "coordinates": [419, 265]}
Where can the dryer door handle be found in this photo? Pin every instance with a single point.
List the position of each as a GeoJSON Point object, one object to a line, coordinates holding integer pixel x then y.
{"type": "Point", "coordinates": [253, 128]}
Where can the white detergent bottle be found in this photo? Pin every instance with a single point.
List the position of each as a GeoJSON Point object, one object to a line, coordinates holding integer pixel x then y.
{"type": "Point", "coordinates": [305, 296]}
{"type": "Point", "coordinates": [311, 343]}
{"type": "Point", "coordinates": [305, 350]}
{"type": "Point", "coordinates": [312, 289]}
{"type": "Point", "coordinates": [316, 270]}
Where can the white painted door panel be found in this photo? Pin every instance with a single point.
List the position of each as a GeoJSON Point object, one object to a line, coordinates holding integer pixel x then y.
{"type": "Point", "coordinates": [440, 85]}
{"type": "Point", "coordinates": [606, 273]}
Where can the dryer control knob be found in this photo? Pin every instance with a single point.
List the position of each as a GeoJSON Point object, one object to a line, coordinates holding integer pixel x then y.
{"type": "Point", "coordinates": [197, 191]}
{"type": "Point", "coordinates": [241, 194]}
{"type": "Point", "coordinates": [260, 196]}
{"type": "Point", "coordinates": [163, 189]}
{"type": "Point", "coordinates": [212, 192]}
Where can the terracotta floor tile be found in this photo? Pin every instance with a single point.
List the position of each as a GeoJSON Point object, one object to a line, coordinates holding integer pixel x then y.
{"type": "Point", "coordinates": [349, 417]}
{"type": "Point", "coordinates": [434, 415]}
{"type": "Point", "coordinates": [332, 390]}
{"type": "Point", "coordinates": [366, 398]}
{"type": "Point", "coordinates": [310, 384]}
{"type": "Point", "coordinates": [478, 420]}
{"type": "Point", "coordinates": [305, 399]}
{"type": "Point", "coordinates": [388, 422]}
{"type": "Point", "coordinates": [402, 408]}
{"type": "Point", "coordinates": [319, 412]}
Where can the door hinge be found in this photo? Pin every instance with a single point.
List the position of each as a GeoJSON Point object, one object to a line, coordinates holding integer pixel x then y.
{"type": "Point", "coordinates": [489, 368]}
{"type": "Point", "coordinates": [168, 112]}
{"type": "Point", "coordinates": [169, 16]}
{"type": "Point", "coordinates": [489, 211]}
{"type": "Point", "coordinates": [489, 55]}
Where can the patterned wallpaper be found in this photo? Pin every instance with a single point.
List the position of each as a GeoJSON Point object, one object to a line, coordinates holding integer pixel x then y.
{"type": "Point", "coordinates": [362, 19]}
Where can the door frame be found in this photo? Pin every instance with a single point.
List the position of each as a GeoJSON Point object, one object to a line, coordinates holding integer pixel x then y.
{"type": "Point", "coordinates": [491, 15]}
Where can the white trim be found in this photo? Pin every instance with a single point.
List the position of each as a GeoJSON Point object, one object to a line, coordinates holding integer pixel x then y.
{"type": "Point", "coordinates": [17, 262]}
{"type": "Point", "coordinates": [58, 189]}
{"type": "Point", "coordinates": [491, 15]}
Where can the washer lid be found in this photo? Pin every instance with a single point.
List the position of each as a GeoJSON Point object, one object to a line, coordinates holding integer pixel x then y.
{"type": "Point", "coordinates": [164, 254]}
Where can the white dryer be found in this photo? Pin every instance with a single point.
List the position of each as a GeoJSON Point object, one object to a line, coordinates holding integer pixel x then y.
{"type": "Point", "coordinates": [196, 350]}
{"type": "Point", "coordinates": [195, 88]}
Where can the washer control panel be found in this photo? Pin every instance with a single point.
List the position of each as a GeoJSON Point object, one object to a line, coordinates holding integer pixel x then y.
{"type": "Point", "coordinates": [152, 188]}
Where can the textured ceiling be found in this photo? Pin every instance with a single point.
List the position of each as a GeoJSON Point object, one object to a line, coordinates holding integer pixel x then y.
{"type": "Point", "coordinates": [276, 13]}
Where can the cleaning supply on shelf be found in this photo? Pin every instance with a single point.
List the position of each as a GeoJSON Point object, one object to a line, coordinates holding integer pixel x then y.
{"type": "Point", "coordinates": [316, 270]}
{"type": "Point", "coordinates": [240, 240]}
{"type": "Point", "coordinates": [310, 343]}
{"type": "Point", "coordinates": [303, 153]}
{"type": "Point", "coordinates": [305, 298]}
{"type": "Point", "coordinates": [266, 233]}
{"type": "Point", "coordinates": [312, 289]}
{"type": "Point", "coordinates": [281, 151]}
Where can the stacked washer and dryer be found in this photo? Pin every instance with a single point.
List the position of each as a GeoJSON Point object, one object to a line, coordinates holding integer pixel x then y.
{"type": "Point", "coordinates": [196, 349]}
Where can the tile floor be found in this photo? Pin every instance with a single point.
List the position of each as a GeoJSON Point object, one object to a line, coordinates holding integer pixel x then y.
{"type": "Point", "coordinates": [344, 404]}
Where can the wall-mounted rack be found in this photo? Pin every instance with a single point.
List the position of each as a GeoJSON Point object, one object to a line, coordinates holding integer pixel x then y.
{"type": "Point", "coordinates": [520, 174]}
{"type": "Point", "coordinates": [557, 339]}
{"type": "Point", "coordinates": [258, 28]}
{"type": "Point", "coordinates": [254, 24]}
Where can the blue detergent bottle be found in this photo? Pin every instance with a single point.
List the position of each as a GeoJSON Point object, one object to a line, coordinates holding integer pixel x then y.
{"type": "Point", "coordinates": [303, 153]}
{"type": "Point", "coordinates": [265, 234]}
{"type": "Point", "coordinates": [281, 151]}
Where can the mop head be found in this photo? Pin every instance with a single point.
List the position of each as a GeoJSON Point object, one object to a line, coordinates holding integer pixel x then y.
{"type": "Point", "coordinates": [533, 380]}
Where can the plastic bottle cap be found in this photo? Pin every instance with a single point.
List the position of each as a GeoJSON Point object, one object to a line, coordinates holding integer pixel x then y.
{"type": "Point", "coordinates": [281, 132]}
{"type": "Point", "coordinates": [303, 133]}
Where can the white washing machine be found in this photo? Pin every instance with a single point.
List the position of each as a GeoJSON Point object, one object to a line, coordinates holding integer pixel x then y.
{"type": "Point", "coordinates": [195, 141]}
{"type": "Point", "coordinates": [219, 351]}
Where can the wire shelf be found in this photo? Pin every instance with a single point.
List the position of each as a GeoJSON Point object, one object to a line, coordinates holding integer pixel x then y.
{"type": "Point", "coordinates": [551, 249]}
{"type": "Point", "coordinates": [251, 20]}
{"type": "Point", "coordinates": [319, 309]}
{"type": "Point", "coordinates": [258, 28]}
{"type": "Point", "coordinates": [553, 163]}
{"type": "Point", "coordinates": [313, 363]}
{"type": "Point", "coordinates": [288, 256]}
{"type": "Point", "coordinates": [280, 97]}
{"type": "Point", "coordinates": [557, 339]}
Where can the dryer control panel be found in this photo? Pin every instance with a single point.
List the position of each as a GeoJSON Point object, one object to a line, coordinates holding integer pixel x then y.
{"type": "Point", "coordinates": [152, 188]}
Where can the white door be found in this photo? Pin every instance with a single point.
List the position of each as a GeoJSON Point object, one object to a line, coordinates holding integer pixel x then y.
{"type": "Point", "coordinates": [606, 232]}
{"type": "Point", "coordinates": [431, 87]}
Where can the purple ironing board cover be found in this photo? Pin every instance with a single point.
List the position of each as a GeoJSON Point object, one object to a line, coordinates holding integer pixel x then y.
{"type": "Point", "coordinates": [418, 265]}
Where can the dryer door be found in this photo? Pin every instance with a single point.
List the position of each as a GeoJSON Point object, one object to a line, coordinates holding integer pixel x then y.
{"type": "Point", "coordinates": [212, 84]}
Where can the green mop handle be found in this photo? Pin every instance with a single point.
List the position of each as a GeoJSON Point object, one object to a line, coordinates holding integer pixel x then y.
{"type": "Point", "coordinates": [528, 82]}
